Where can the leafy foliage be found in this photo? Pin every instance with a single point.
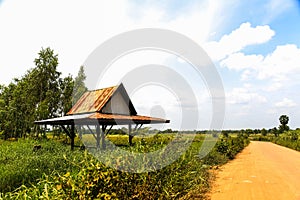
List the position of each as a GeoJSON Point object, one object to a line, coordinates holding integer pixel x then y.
{"type": "Point", "coordinates": [264, 132]}
{"type": "Point", "coordinates": [284, 120]}
{"type": "Point", "coordinates": [86, 178]}
{"type": "Point", "coordinates": [288, 139]}
{"type": "Point", "coordinates": [230, 146]}
{"type": "Point", "coordinates": [21, 164]}
{"type": "Point", "coordinates": [41, 93]}
{"type": "Point", "coordinates": [79, 86]}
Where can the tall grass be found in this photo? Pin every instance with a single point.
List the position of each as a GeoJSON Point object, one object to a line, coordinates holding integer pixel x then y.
{"type": "Point", "coordinates": [21, 164]}
{"type": "Point", "coordinates": [94, 180]}
{"type": "Point", "coordinates": [290, 139]}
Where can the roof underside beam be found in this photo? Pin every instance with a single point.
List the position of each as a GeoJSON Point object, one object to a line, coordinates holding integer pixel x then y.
{"type": "Point", "coordinates": [100, 122]}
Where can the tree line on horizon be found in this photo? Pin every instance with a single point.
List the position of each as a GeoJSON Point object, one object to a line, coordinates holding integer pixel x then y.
{"type": "Point", "coordinates": [39, 94]}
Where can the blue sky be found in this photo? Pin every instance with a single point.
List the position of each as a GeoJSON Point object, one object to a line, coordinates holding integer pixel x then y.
{"type": "Point", "coordinates": [255, 46]}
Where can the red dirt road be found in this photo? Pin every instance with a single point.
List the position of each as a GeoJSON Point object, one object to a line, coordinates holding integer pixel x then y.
{"type": "Point", "coordinates": [262, 170]}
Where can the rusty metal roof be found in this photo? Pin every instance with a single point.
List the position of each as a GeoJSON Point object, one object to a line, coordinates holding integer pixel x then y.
{"type": "Point", "coordinates": [92, 101]}
{"type": "Point", "coordinates": [88, 110]}
{"type": "Point", "coordinates": [101, 118]}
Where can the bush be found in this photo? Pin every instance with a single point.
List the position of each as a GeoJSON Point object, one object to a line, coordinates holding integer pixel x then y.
{"type": "Point", "coordinates": [86, 178]}
{"type": "Point", "coordinates": [95, 180]}
{"type": "Point", "coordinates": [231, 146]}
{"type": "Point", "coordinates": [289, 139]}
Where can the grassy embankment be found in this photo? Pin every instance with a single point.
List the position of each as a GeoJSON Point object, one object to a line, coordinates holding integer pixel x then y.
{"type": "Point", "coordinates": [290, 139]}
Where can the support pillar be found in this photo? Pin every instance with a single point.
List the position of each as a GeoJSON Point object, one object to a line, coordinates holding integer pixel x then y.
{"type": "Point", "coordinates": [72, 134]}
{"type": "Point", "coordinates": [79, 132]}
{"type": "Point", "coordinates": [129, 134]}
{"type": "Point", "coordinates": [103, 137]}
{"type": "Point", "coordinates": [98, 136]}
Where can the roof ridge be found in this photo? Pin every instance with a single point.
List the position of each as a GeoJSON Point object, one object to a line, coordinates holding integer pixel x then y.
{"type": "Point", "coordinates": [103, 88]}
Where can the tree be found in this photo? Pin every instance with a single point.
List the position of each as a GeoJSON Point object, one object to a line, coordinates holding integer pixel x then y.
{"type": "Point", "coordinates": [294, 136]}
{"type": "Point", "coordinates": [3, 111]}
{"type": "Point", "coordinates": [225, 133]}
{"type": "Point", "coordinates": [284, 120]}
{"type": "Point", "coordinates": [47, 83]}
{"type": "Point", "coordinates": [79, 85]}
{"type": "Point", "coordinates": [249, 131]}
{"type": "Point", "coordinates": [34, 96]}
{"type": "Point", "coordinates": [43, 86]}
{"type": "Point", "coordinates": [264, 132]}
{"type": "Point", "coordinates": [275, 131]}
{"type": "Point", "coordinates": [256, 131]}
{"type": "Point", "coordinates": [41, 93]}
{"type": "Point", "coordinates": [8, 125]}
{"type": "Point", "coordinates": [66, 86]}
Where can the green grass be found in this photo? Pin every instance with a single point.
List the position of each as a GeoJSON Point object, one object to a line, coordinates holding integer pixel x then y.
{"type": "Point", "coordinates": [290, 139]}
{"type": "Point", "coordinates": [78, 175]}
{"type": "Point", "coordinates": [21, 164]}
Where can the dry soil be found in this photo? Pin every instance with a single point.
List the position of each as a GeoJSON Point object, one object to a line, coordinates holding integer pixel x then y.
{"type": "Point", "coordinates": [262, 170]}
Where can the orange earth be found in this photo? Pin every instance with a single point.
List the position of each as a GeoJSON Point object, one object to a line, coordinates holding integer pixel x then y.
{"type": "Point", "coordinates": [262, 170]}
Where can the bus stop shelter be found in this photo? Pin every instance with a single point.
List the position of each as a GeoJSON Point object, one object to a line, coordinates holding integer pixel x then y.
{"type": "Point", "coordinates": [103, 108]}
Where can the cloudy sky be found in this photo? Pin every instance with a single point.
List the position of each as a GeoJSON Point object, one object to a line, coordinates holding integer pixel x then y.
{"type": "Point", "coordinates": [255, 46]}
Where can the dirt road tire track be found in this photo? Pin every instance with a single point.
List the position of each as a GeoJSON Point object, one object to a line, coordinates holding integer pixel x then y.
{"type": "Point", "coordinates": [262, 170]}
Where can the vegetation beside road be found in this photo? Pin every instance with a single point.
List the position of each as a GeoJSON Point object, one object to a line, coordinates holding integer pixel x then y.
{"type": "Point", "coordinates": [21, 163]}
{"type": "Point", "coordinates": [59, 173]}
{"type": "Point", "coordinates": [290, 139]}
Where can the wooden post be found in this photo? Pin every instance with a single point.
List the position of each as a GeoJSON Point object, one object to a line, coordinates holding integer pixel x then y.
{"type": "Point", "coordinates": [129, 134]}
{"type": "Point", "coordinates": [103, 137]}
{"type": "Point", "coordinates": [98, 135]}
{"type": "Point", "coordinates": [72, 134]}
{"type": "Point", "coordinates": [79, 132]}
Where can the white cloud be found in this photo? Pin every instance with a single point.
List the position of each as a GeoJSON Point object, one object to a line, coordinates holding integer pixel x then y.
{"type": "Point", "coordinates": [75, 28]}
{"type": "Point", "coordinates": [285, 103]}
{"type": "Point", "coordinates": [241, 105]}
{"type": "Point", "coordinates": [280, 66]}
{"type": "Point", "coordinates": [238, 39]}
{"type": "Point", "coordinates": [72, 28]}
{"type": "Point", "coordinates": [281, 63]}
{"type": "Point", "coordinates": [246, 75]}
{"type": "Point", "coordinates": [248, 85]}
{"type": "Point", "coordinates": [244, 96]}
{"type": "Point", "coordinates": [240, 61]}
{"type": "Point", "coordinates": [275, 86]}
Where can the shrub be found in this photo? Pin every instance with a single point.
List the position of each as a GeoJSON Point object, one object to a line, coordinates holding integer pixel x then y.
{"type": "Point", "coordinates": [86, 178]}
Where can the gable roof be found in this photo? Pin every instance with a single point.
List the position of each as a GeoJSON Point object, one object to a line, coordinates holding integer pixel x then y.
{"type": "Point", "coordinates": [95, 101]}
{"type": "Point", "coordinates": [91, 109]}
